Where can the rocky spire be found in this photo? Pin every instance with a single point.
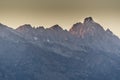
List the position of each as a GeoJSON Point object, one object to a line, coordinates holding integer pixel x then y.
{"type": "Point", "coordinates": [88, 28]}
{"type": "Point", "coordinates": [88, 19]}
{"type": "Point", "coordinates": [56, 27]}
{"type": "Point", "coordinates": [24, 27]}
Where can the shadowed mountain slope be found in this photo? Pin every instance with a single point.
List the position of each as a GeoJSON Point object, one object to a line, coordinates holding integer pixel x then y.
{"type": "Point", "coordinates": [85, 52]}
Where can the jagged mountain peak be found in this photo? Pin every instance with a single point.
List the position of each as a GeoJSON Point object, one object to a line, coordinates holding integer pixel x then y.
{"type": "Point", "coordinates": [76, 29]}
{"type": "Point", "coordinates": [88, 19]}
{"type": "Point", "coordinates": [88, 28]}
{"type": "Point", "coordinates": [56, 27]}
{"type": "Point", "coordinates": [24, 27]}
{"type": "Point", "coordinates": [76, 26]}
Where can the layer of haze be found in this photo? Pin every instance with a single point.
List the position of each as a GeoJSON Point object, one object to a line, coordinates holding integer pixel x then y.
{"type": "Point", "coordinates": [63, 12]}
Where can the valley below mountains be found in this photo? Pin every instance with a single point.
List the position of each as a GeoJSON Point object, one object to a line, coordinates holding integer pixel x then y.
{"type": "Point", "coordinates": [85, 52]}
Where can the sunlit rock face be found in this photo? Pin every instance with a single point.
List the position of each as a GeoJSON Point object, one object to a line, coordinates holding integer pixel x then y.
{"type": "Point", "coordinates": [93, 34]}
{"type": "Point", "coordinates": [85, 52]}
{"type": "Point", "coordinates": [87, 28]}
{"type": "Point", "coordinates": [77, 29]}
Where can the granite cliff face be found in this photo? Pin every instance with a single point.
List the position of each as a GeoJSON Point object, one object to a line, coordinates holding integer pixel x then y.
{"type": "Point", "coordinates": [85, 52]}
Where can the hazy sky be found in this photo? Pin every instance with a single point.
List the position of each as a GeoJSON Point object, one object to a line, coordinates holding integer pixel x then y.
{"type": "Point", "coordinates": [63, 12]}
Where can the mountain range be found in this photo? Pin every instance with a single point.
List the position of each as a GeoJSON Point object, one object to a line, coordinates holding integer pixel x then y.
{"type": "Point", "coordinates": [85, 52]}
